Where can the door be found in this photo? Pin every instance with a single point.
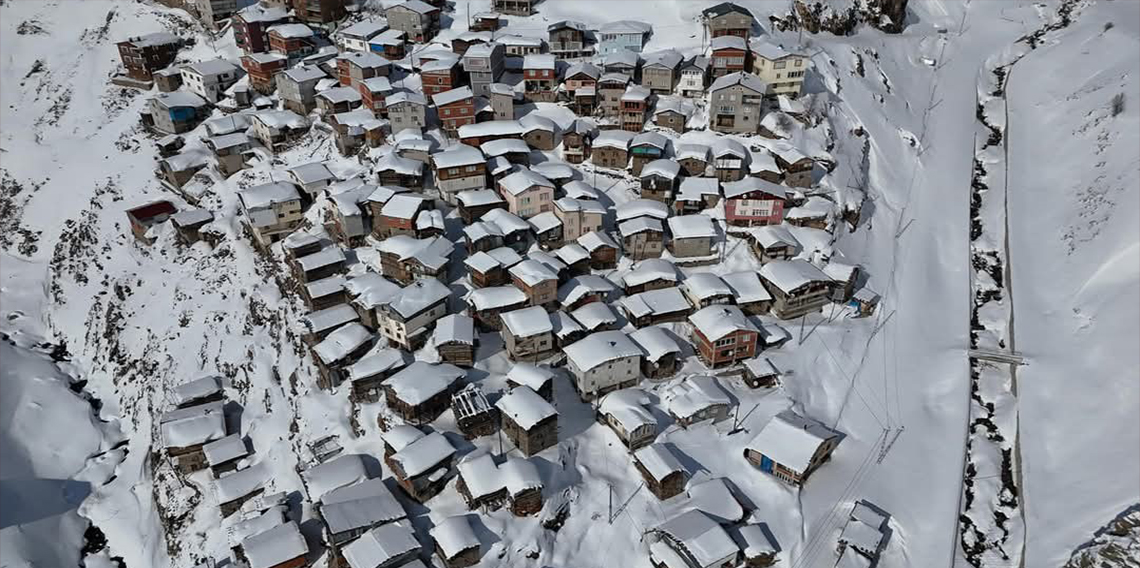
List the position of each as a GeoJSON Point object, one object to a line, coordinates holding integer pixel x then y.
{"type": "Point", "coordinates": [765, 463]}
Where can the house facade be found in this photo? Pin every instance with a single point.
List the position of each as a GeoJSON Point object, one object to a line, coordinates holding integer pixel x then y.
{"type": "Point", "coordinates": [143, 55]}
{"type": "Point", "coordinates": [735, 103]}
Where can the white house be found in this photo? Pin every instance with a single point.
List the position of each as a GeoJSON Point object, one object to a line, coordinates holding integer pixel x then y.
{"type": "Point", "coordinates": [602, 362]}
{"type": "Point", "coordinates": [210, 79]}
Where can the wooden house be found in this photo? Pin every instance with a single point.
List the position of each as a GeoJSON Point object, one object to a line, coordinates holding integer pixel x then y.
{"type": "Point", "coordinates": [540, 379]}
{"type": "Point", "coordinates": [652, 307]}
{"type": "Point", "coordinates": [662, 354]}
{"type": "Point", "coordinates": [602, 362]}
{"type": "Point", "coordinates": [474, 415]}
{"type": "Point", "coordinates": [528, 334]}
{"type": "Point", "coordinates": [662, 471]}
{"type": "Point", "coordinates": [529, 421]}
{"type": "Point", "coordinates": [649, 274]}
{"type": "Point", "coordinates": [424, 467]}
{"type": "Point", "coordinates": [487, 304]}
{"type": "Point", "coordinates": [473, 204]}
{"type": "Point", "coordinates": [730, 54]}
{"type": "Point", "coordinates": [692, 236]}
{"type": "Point", "coordinates": [728, 19]}
{"type": "Point", "coordinates": [422, 391]}
{"type": "Point", "coordinates": [456, 543]}
{"type": "Point", "coordinates": [627, 413]}
{"type": "Point", "coordinates": [760, 372]}
{"type": "Point", "coordinates": [455, 340]}
{"type": "Point", "coordinates": [186, 431]}
{"type": "Point", "coordinates": [143, 55]}
{"type": "Point", "coordinates": [577, 141]}
{"type": "Point", "coordinates": [367, 375]}
{"type": "Point", "coordinates": [697, 399]}
{"type": "Point", "coordinates": [659, 180]}
{"type": "Point", "coordinates": [319, 265]}
{"type": "Point", "coordinates": [603, 250]}
{"type": "Point", "coordinates": [642, 238]}
{"type": "Point", "coordinates": [749, 292]}
{"type": "Point", "coordinates": [340, 349]}
{"type": "Point", "coordinates": [773, 242]}
{"type": "Point", "coordinates": [646, 147]}
{"type": "Point", "coordinates": [540, 77]}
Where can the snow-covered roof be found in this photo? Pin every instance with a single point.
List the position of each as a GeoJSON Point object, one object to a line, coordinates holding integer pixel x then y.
{"type": "Point", "coordinates": [401, 436]}
{"type": "Point", "coordinates": [266, 57]}
{"type": "Point", "coordinates": [478, 197]}
{"type": "Point", "coordinates": [530, 375]}
{"type": "Point", "coordinates": [424, 454]}
{"type": "Point", "coordinates": [325, 257]}
{"type": "Point", "coordinates": [419, 296]}
{"type": "Point", "coordinates": [302, 73]}
{"type": "Point", "coordinates": [717, 321]}
{"type": "Point", "coordinates": [594, 315]}
{"type": "Point", "coordinates": [211, 67]}
{"type": "Point", "coordinates": [508, 222]}
{"type": "Point", "coordinates": [396, 163]}
{"type": "Point", "coordinates": [504, 146]}
{"type": "Point", "coordinates": [580, 286]}
{"type": "Point", "coordinates": [371, 289]}
{"type": "Point", "coordinates": [176, 99]}
{"type": "Point", "coordinates": [564, 325]}
{"type": "Point", "coordinates": [543, 61]}
{"type": "Point", "coordinates": [519, 41]}
{"type": "Point", "coordinates": [455, 328]}
{"type": "Point", "coordinates": [329, 318]}
{"type": "Point", "coordinates": [291, 31]}
{"type": "Point", "coordinates": [614, 80]}
{"type": "Point", "coordinates": [622, 57]}
{"type": "Point", "coordinates": [495, 297]}
{"type": "Point", "coordinates": [613, 139]}
{"type": "Point", "coordinates": [420, 381]}
{"type": "Point", "coordinates": [365, 29]}
{"type": "Point", "coordinates": [690, 151]}
{"type": "Point", "coordinates": [190, 217]}
{"type": "Point", "coordinates": [629, 407]}
{"type": "Point", "coordinates": [361, 119]}
{"type": "Point", "coordinates": [379, 546]}
{"type": "Point", "coordinates": [457, 156]}
{"type": "Point", "coordinates": [417, 6]}
{"type": "Point", "coordinates": [519, 475]}
{"type": "Point", "coordinates": [527, 322]}
{"type": "Point", "coordinates": [192, 426]}
{"type": "Point", "coordinates": [524, 407]}
{"type": "Point", "coordinates": [550, 261]}
{"type": "Point", "coordinates": [704, 285]}
{"type": "Point", "coordinates": [601, 347]}
{"type": "Point", "coordinates": [341, 342]}
{"type": "Point", "coordinates": [402, 207]}
{"type": "Point", "coordinates": [635, 93]}
{"type": "Point", "coordinates": [442, 62]}
{"type": "Point", "coordinates": [594, 239]}
{"type": "Point", "coordinates": [815, 207]}
{"type": "Point", "coordinates": [405, 97]}
{"type": "Point", "coordinates": [770, 51]}
{"type": "Point", "coordinates": [658, 461]}
{"type": "Point", "coordinates": [681, 106]}
{"type": "Point", "coordinates": [480, 475]}
{"type": "Point", "coordinates": [641, 207]}
{"type": "Point", "coordinates": [480, 230]}
{"type": "Point", "coordinates": [869, 514]}
{"type": "Point", "coordinates": [692, 226]}
{"type": "Point", "coordinates": [572, 253]}
{"type": "Point", "coordinates": [275, 546]}
{"type": "Point", "coordinates": [534, 121]}
{"type": "Point", "coordinates": [663, 167]}
{"type": "Point", "coordinates": [701, 536]}
{"type": "Point", "coordinates": [666, 59]}
{"type": "Point", "coordinates": [584, 68]}
{"type": "Point", "coordinates": [340, 95]}
{"type": "Point", "coordinates": [381, 359]}
{"type": "Point", "coordinates": [655, 342]}
{"type": "Point", "coordinates": [197, 389]}
{"type": "Point", "coordinates": [746, 80]}
{"type": "Point", "coordinates": [749, 184]}
{"type": "Point", "coordinates": [654, 139]}
{"type": "Point", "coordinates": [491, 128]}
{"type": "Point", "coordinates": [728, 42]}
{"type": "Point", "coordinates": [238, 531]}
{"type": "Point", "coordinates": [522, 180]}
{"type": "Point", "coordinates": [755, 540]}
{"type": "Point", "coordinates": [481, 262]}
{"type": "Point", "coordinates": [312, 172]}
{"type": "Point", "coordinates": [655, 302]}
{"type": "Point", "coordinates": [277, 119]}
{"type": "Point", "coordinates": [225, 449]}
{"type": "Point", "coordinates": [693, 395]}
{"type": "Point", "coordinates": [729, 147]}
{"type": "Point", "coordinates": [696, 188]}
{"type": "Point", "coordinates": [791, 440]}
{"type": "Point", "coordinates": [454, 535]}
{"type": "Point", "coordinates": [360, 505]}
{"type": "Point", "coordinates": [788, 275]}
{"type": "Point", "coordinates": [840, 271]}
{"type": "Point", "coordinates": [773, 235]}
{"type": "Point", "coordinates": [746, 287]}
{"type": "Point", "coordinates": [240, 483]}
{"type": "Point", "coordinates": [761, 366]}
{"type": "Point", "coordinates": [649, 270]}
{"type": "Point", "coordinates": [341, 471]}
{"type": "Point", "coordinates": [227, 141]}
{"type": "Point", "coordinates": [625, 27]}
{"type": "Point", "coordinates": [153, 39]}
{"type": "Point", "coordinates": [861, 536]}
{"type": "Point", "coordinates": [452, 96]}
{"type": "Point", "coordinates": [545, 221]}
{"type": "Point", "coordinates": [430, 219]}
{"type": "Point", "coordinates": [228, 124]}
{"type": "Point", "coordinates": [432, 252]}
{"type": "Point", "coordinates": [388, 37]}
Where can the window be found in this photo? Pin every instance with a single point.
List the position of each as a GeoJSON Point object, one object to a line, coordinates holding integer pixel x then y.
{"type": "Point", "coordinates": [725, 342]}
{"type": "Point", "coordinates": [799, 63]}
{"type": "Point", "coordinates": [447, 112]}
{"type": "Point", "coordinates": [470, 168]}
{"type": "Point", "coordinates": [779, 64]}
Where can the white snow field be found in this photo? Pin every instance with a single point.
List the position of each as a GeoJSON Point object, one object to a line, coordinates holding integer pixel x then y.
{"type": "Point", "coordinates": [900, 125]}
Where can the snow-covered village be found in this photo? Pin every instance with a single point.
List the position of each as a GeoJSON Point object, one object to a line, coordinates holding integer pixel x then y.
{"type": "Point", "coordinates": [570, 283]}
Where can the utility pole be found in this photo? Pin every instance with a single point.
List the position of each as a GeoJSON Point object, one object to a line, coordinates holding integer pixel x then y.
{"type": "Point", "coordinates": [610, 517]}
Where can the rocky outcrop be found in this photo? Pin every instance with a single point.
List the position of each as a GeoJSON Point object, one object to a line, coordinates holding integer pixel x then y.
{"type": "Point", "coordinates": [843, 17]}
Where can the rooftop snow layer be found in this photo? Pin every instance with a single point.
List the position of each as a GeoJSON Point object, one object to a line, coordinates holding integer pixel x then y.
{"type": "Point", "coordinates": [527, 322]}
{"type": "Point", "coordinates": [420, 381]}
{"type": "Point", "coordinates": [717, 321]}
{"type": "Point", "coordinates": [601, 347]}
{"type": "Point", "coordinates": [525, 408]}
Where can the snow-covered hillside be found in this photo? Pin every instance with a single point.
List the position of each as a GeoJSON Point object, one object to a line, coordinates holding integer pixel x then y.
{"type": "Point", "coordinates": [900, 120]}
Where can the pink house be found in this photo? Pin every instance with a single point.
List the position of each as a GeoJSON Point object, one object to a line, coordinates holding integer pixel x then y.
{"type": "Point", "coordinates": [753, 202]}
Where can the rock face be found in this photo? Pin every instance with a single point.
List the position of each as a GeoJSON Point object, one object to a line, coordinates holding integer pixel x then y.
{"type": "Point", "coordinates": [841, 17]}
{"type": "Point", "coordinates": [1116, 545]}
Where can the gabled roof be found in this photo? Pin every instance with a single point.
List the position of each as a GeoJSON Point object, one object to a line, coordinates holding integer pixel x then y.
{"type": "Point", "coordinates": [728, 42]}
{"type": "Point", "coordinates": [365, 29]}
{"type": "Point", "coordinates": [291, 31]}
{"type": "Point", "coordinates": [770, 51]}
{"type": "Point", "coordinates": [789, 275]}
{"type": "Point", "coordinates": [791, 440]}
{"type": "Point", "coordinates": [665, 59]}
{"type": "Point", "coordinates": [725, 8]}
{"type": "Point", "coordinates": [211, 67]}
{"type": "Point", "coordinates": [524, 407]}
{"type": "Point", "coordinates": [750, 184]}
{"type": "Point", "coordinates": [654, 302]}
{"type": "Point", "coordinates": [641, 208]}
{"type": "Point", "coordinates": [655, 342]}
{"type": "Point", "coordinates": [457, 156]}
{"type": "Point", "coordinates": [420, 381]}
{"type": "Point", "coordinates": [625, 27]}
{"type": "Point", "coordinates": [522, 180]}
{"type": "Point", "coordinates": [701, 536]}
{"type": "Point", "coordinates": [746, 80]}
{"type": "Point", "coordinates": [452, 96]}
{"type": "Point", "coordinates": [543, 61]}
{"type": "Point", "coordinates": [649, 270]}
{"type": "Point", "coordinates": [416, 6]}
{"type": "Point", "coordinates": [705, 285]}
{"type": "Point", "coordinates": [717, 321]}
{"type": "Point", "coordinates": [658, 461]}
{"type": "Point", "coordinates": [622, 58]}
{"type": "Point", "coordinates": [601, 347]}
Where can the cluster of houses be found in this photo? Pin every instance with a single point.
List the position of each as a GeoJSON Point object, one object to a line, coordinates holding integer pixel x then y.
{"type": "Point", "coordinates": [537, 254]}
